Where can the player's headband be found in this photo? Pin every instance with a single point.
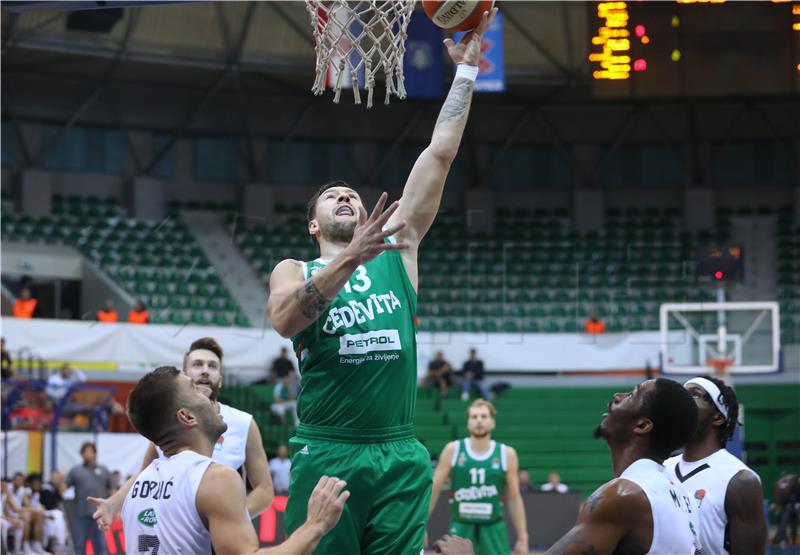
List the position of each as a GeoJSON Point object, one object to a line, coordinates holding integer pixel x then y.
{"type": "Point", "coordinates": [713, 392]}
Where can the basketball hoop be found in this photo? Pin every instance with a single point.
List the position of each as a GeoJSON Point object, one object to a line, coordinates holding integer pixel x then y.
{"type": "Point", "coordinates": [357, 39]}
{"type": "Point", "coordinates": [720, 366]}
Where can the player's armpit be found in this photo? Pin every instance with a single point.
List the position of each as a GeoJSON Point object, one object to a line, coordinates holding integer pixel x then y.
{"type": "Point", "coordinates": [221, 504]}
{"type": "Point", "coordinates": [603, 522]}
{"type": "Point", "coordinates": [744, 505]}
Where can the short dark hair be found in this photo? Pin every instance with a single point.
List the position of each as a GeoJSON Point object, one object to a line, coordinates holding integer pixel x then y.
{"type": "Point", "coordinates": [88, 445]}
{"type": "Point", "coordinates": [33, 476]}
{"type": "Point", "coordinates": [311, 207]}
{"type": "Point", "coordinates": [153, 402]}
{"type": "Point", "coordinates": [205, 343]}
{"type": "Point", "coordinates": [725, 432]}
{"type": "Point", "coordinates": [674, 415]}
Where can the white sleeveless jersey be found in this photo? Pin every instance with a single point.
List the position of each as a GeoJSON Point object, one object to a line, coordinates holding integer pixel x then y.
{"type": "Point", "coordinates": [160, 512]}
{"type": "Point", "coordinates": [707, 481]}
{"type": "Point", "coordinates": [231, 446]}
{"type": "Point", "coordinates": [674, 521]}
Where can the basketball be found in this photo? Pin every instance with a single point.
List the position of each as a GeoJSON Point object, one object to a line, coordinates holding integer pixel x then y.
{"type": "Point", "coordinates": [461, 15]}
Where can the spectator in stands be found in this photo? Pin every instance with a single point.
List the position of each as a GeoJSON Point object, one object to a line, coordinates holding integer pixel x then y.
{"type": "Point", "coordinates": [285, 399]}
{"type": "Point", "coordinates": [32, 519]}
{"type": "Point", "coordinates": [787, 507]}
{"type": "Point", "coordinates": [139, 314]}
{"type": "Point", "coordinates": [108, 314]}
{"type": "Point", "coordinates": [473, 375]}
{"type": "Point", "coordinates": [554, 484]}
{"type": "Point", "coordinates": [116, 480]}
{"type": "Point", "coordinates": [46, 498]}
{"type": "Point", "coordinates": [89, 480]}
{"type": "Point", "coordinates": [594, 324]}
{"type": "Point", "coordinates": [59, 384]}
{"type": "Point", "coordinates": [439, 373]}
{"type": "Point", "coordinates": [525, 485]}
{"type": "Point", "coordinates": [8, 364]}
{"type": "Point", "coordinates": [281, 469]}
{"type": "Point", "coordinates": [282, 366]}
{"type": "Point", "coordinates": [25, 306]}
{"type": "Point", "coordinates": [10, 519]}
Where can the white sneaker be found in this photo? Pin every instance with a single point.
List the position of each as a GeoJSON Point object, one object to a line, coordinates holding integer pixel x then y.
{"type": "Point", "coordinates": [465, 396]}
{"type": "Point", "coordinates": [39, 549]}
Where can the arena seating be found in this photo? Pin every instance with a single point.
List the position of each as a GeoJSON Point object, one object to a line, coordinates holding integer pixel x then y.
{"type": "Point", "coordinates": [534, 274]}
{"type": "Point", "coordinates": [156, 261]}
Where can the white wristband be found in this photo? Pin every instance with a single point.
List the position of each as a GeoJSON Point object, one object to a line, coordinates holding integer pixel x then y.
{"type": "Point", "coordinates": [467, 72]}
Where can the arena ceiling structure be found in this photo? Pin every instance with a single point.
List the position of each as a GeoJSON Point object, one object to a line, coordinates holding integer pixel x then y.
{"type": "Point", "coordinates": [246, 68]}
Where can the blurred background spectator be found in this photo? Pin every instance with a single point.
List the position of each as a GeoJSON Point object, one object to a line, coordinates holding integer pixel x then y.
{"type": "Point", "coordinates": [594, 324]}
{"type": "Point", "coordinates": [7, 363]}
{"type": "Point", "coordinates": [440, 374]}
{"type": "Point", "coordinates": [525, 485]}
{"type": "Point", "coordinates": [473, 375]}
{"type": "Point", "coordinates": [285, 399]}
{"type": "Point", "coordinates": [25, 305]}
{"type": "Point", "coordinates": [108, 313]}
{"type": "Point", "coordinates": [89, 480]}
{"type": "Point", "coordinates": [138, 314]}
{"type": "Point", "coordinates": [282, 366]}
{"type": "Point", "coordinates": [554, 484]}
{"type": "Point", "coordinates": [787, 509]}
{"type": "Point", "coordinates": [281, 469]}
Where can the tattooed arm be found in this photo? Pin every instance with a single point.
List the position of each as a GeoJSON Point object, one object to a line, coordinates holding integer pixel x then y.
{"type": "Point", "coordinates": [296, 302]}
{"type": "Point", "coordinates": [614, 514]}
{"type": "Point", "coordinates": [425, 184]}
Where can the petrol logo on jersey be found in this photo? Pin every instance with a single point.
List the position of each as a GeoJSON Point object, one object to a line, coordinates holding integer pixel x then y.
{"type": "Point", "coordinates": [360, 343]}
{"type": "Point", "coordinates": [495, 464]}
{"type": "Point", "coordinates": [218, 444]}
{"type": "Point", "coordinates": [462, 459]}
{"type": "Point", "coordinates": [147, 517]}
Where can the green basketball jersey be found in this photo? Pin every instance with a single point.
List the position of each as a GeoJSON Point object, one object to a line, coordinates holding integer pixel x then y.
{"type": "Point", "coordinates": [358, 361]}
{"type": "Point", "coordinates": [478, 483]}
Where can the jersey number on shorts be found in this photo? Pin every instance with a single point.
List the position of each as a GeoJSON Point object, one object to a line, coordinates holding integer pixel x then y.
{"type": "Point", "coordinates": [148, 544]}
{"type": "Point", "coordinates": [363, 284]}
{"type": "Point", "coordinates": [478, 474]}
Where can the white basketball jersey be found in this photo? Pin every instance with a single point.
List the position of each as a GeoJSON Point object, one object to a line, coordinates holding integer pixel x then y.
{"type": "Point", "coordinates": [674, 524]}
{"type": "Point", "coordinates": [230, 449]}
{"type": "Point", "coordinates": [707, 481]}
{"type": "Point", "coordinates": [160, 512]}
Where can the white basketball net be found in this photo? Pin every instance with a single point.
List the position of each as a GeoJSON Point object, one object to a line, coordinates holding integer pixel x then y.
{"type": "Point", "coordinates": [356, 36]}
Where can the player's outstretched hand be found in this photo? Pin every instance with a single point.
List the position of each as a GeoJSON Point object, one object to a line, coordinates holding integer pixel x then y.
{"type": "Point", "coordinates": [453, 545]}
{"type": "Point", "coordinates": [369, 233]}
{"type": "Point", "coordinates": [104, 514]}
{"type": "Point", "coordinates": [326, 503]}
{"type": "Point", "coordinates": [468, 49]}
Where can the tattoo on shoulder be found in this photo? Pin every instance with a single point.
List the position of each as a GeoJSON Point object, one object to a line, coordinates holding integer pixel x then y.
{"type": "Point", "coordinates": [312, 302]}
{"type": "Point", "coordinates": [593, 500]}
{"type": "Point", "coordinates": [457, 100]}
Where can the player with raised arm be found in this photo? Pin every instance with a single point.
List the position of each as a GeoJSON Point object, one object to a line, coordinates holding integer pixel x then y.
{"type": "Point", "coordinates": [728, 495]}
{"type": "Point", "coordinates": [184, 502]}
{"type": "Point", "coordinates": [350, 314]}
{"type": "Point", "coordinates": [482, 473]}
{"type": "Point", "coordinates": [239, 448]}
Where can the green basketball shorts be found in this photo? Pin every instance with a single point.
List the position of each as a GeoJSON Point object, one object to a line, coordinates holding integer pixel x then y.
{"type": "Point", "coordinates": [390, 489]}
{"type": "Point", "coordinates": [487, 539]}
